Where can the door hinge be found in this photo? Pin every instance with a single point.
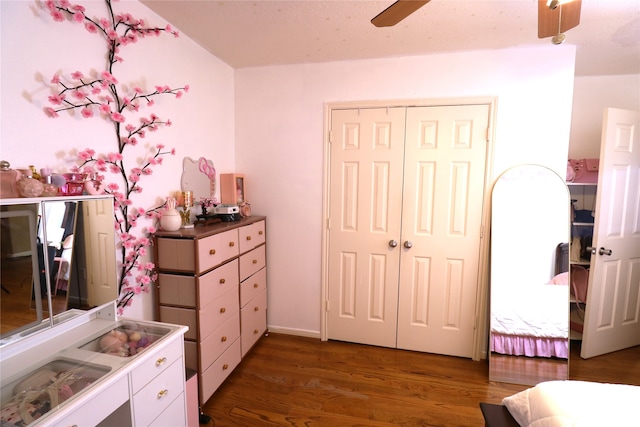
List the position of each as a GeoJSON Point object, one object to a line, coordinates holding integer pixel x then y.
{"type": "Point", "coordinates": [488, 133]}
{"type": "Point", "coordinates": [328, 223]}
{"type": "Point", "coordinates": [481, 232]}
{"type": "Point", "coordinates": [330, 137]}
{"type": "Point", "coordinates": [326, 305]}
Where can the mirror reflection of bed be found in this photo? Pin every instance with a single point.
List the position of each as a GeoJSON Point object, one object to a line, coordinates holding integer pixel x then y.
{"type": "Point", "coordinates": [529, 298]}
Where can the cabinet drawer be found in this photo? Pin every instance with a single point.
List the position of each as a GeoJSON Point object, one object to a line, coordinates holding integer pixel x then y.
{"type": "Point", "coordinates": [174, 415]}
{"type": "Point", "coordinates": [220, 340]}
{"type": "Point", "coordinates": [181, 316]}
{"type": "Point", "coordinates": [219, 371]}
{"type": "Point", "coordinates": [216, 249]}
{"type": "Point", "coordinates": [253, 286]}
{"type": "Point", "coordinates": [217, 312]}
{"type": "Point", "coordinates": [100, 406]}
{"type": "Point", "coordinates": [156, 364]}
{"type": "Point", "coordinates": [176, 254]}
{"type": "Point", "coordinates": [251, 262]}
{"type": "Point", "coordinates": [177, 290]}
{"type": "Point", "coordinates": [159, 394]}
{"type": "Point", "coordinates": [251, 236]}
{"type": "Point", "coordinates": [217, 282]}
{"type": "Point", "coordinates": [254, 321]}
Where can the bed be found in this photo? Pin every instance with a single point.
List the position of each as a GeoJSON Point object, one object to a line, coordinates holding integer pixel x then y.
{"type": "Point", "coordinates": [537, 325]}
{"type": "Point", "coordinates": [566, 403]}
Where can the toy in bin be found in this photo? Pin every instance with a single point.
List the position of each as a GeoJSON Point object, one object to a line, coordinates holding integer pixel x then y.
{"type": "Point", "coordinates": [124, 343]}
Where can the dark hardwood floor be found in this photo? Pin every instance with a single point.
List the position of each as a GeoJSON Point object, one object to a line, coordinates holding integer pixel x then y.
{"type": "Point", "coordinates": [296, 381]}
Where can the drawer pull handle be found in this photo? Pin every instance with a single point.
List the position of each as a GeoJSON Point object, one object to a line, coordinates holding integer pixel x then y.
{"type": "Point", "coordinates": [223, 310]}
{"type": "Point", "coordinates": [225, 367]}
{"type": "Point", "coordinates": [162, 393]}
{"type": "Point", "coordinates": [223, 339]}
{"type": "Point", "coordinates": [248, 237]}
{"type": "Point", "coordinates": [222, 281]}
{"type": "Point", "coordinates": [255, 331]}
{"type": "Point", "coordinates": [212, 252]}
{"type": "Point", "coordinates": [255, 285]}
{"type": "Point", "coordinates": [260, 232]}
{"type": "Point", "coordinates": [161, 361]}
{"type": "Point", "coordinates": [255, 261]}
{"type": "Point", "coordinates": [232, 244]}
{"type": "Point", "coordinates": [256, 308]}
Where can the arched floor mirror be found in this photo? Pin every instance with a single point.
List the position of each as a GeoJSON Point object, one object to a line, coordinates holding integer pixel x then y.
{"type": "Point", "coordinates": [529, 297]}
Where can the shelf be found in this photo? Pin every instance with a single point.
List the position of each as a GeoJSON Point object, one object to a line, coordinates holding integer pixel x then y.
{"type": "Point", "coordinates": [588, 184]}
{"type": "Point", "coordinates": [590, 224]}
{"type": "Point", "coordinates": [581, 262]}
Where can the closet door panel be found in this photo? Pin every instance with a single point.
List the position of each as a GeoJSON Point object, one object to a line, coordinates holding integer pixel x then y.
{"type": "Point", "coordinates": [443, 186]}
{"type": "Point", "coordinates": [367, 148]}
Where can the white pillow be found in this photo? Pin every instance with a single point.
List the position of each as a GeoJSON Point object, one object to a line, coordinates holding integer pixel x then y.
{"type": "Point", "coordinates": [575, 403]}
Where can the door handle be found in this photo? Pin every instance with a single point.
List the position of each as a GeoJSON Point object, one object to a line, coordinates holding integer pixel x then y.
{"type": "Point", "coordinates": [591, 249]}
{"type": "Point", "coordinates": [603, 251]}
{"type": "Point", "coordinates": [393, 243]}
{"type": "Point", "coordinates": [408, 244]}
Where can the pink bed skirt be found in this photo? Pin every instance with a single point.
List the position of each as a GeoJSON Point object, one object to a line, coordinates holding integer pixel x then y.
{"type": "Point", "coordinates": [529, 346]}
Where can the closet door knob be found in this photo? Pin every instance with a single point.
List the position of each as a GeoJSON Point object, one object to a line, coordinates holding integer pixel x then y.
{"type": "Point", "coordinates": [408, 244]}
{"type": "Point", "coordinates": [603, 251]}
{"type": "Point", "coordinates": [591, 249]}
{"type": "Point", "coordinates": [393, 243]}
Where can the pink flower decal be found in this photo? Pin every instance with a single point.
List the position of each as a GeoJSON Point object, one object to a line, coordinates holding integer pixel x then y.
{"type": "Point", "coordinates": [112, 102]}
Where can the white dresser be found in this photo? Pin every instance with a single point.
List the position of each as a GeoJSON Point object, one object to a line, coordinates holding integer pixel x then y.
{"type": "Point", "coordinates": [145, 388]}
{"type": "Point", "coordinates": [213, 279]}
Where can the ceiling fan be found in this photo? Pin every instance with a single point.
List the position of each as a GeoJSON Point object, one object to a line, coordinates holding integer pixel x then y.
{"type": "Point", "coordinates": [554, 16]}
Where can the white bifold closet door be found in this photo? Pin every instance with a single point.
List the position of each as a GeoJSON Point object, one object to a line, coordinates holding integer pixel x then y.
{"type": "Point", "coordinates": [406, 197]}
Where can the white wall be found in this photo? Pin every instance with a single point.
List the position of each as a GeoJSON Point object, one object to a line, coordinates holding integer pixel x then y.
{"type": "Point", "coordinates": [280, 137]}
{"type": "Point", "coordinates": [592, 95]}
{"type": "Point", "coordinates": [34, 47]}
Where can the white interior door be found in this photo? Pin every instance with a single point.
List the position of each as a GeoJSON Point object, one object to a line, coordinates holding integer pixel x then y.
{"type": "Point", "coordinates": [102, 282]}
{"type": "Point", "coordinates": [445, 153]}
{"type": "Point", "coordinates": [612, 319]}
{"type": "Point", "coordinates": [389, 189]}
{"type": "Point", "coordinates": [367, 148]}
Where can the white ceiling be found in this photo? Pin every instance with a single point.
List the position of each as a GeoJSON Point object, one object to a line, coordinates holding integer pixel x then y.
{"type": "Point", "coordinates": [248, 33]}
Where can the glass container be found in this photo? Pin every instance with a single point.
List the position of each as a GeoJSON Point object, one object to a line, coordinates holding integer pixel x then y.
{"type": "Point", "coordinates": [8, 179]}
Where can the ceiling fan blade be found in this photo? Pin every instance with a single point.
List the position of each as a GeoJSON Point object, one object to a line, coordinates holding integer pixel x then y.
{"type": "Point", "coordinates": [397, 12]}
{"type": "Point", "coordinates": [548, 18]}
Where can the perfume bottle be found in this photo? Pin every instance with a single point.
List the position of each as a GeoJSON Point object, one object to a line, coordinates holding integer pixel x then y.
{"type": "Point", "coordinates": [29, 186]}
{"type": "Point", "coordinates": [8, 179]}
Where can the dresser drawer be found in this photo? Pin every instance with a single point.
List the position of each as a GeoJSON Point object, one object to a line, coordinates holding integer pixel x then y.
{"type": "Point", "coordinates": [219, 340]}
{"type": "Point", "coordinates": [251, 236]}
{"type": "Point", "coordinates": [251, 262]}
{"type": "Point", "coordinates": [155, 397]}
{"type": "Point", "coordinates": [191, 355]}
{"type": "Point", "coordinates": [181, 316]}
{"type": "Point", "coordinates": [160, 360]}
{"type": "Point", "coordinates": [253, 321]}
{"type": "Point", "coordinates": [176, 254]}
{"type": "Point", "coordinates": [216, 249]}
{"type": "Point", "coordinates": [177, 290]}
{"type": "Point", "coordinates": [217, 312]}
{"type": "Point", "coordinates": [219, 371]}
{"type": "Point", "coordinates": [217, 282]}
{"type": "Point", "coordinates": [252, 286]}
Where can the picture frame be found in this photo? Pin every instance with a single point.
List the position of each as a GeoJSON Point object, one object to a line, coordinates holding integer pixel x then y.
{"type": "Point", "coordinates": [232, 188]}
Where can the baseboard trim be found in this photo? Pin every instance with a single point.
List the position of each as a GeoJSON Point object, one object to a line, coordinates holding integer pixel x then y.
{"type": "Point", "coordinates": [293, 331]}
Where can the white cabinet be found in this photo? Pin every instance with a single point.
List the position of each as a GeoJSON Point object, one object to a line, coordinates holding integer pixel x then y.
{"type": "Point", "coordinates": [142, 385]}
{"type": "Point", "coordinates": [213, 279]}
